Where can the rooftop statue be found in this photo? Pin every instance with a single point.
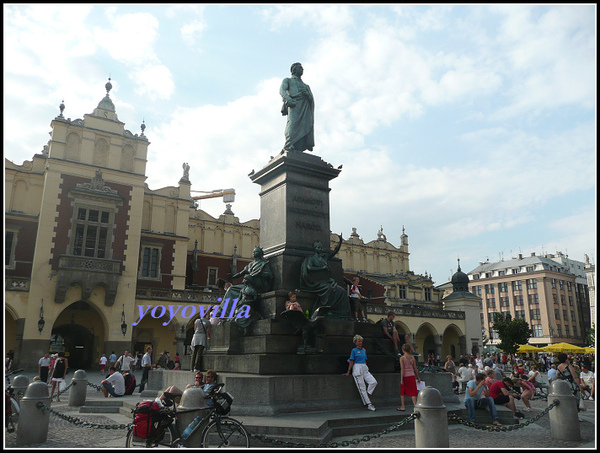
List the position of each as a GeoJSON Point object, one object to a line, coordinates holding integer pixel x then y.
{"type": "Point", "coordinates": [332, 301]}
{"type": "Point", "coordinates": [299, 106]}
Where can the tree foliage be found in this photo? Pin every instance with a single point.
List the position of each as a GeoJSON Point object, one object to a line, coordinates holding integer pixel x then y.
{"type": "Point", "coordinates": [512, 332]}
{"type": "Point", "coordinates": [591, 337]}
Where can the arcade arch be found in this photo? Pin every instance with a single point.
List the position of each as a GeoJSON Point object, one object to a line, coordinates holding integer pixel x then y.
{"type": "Point", "coordinates": [79, 331]}
{"type": "Point", "coordinates": [425, 340]}
{"type": "Point", "coordinates": [451, 342]}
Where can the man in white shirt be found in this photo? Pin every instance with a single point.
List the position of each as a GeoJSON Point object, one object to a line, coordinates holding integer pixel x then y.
{"type": "Point", "coordinates": [114, 384]}
{"type": "Point", "coordinates": [587, 382]}
{"type": "Point", "coordinates": [44, 367]}
{"type": "Point", "coordinates": [464, 376]}
{"type": "Point", "coordinates": [146, 366]}
{"type": "Point", "coordinates": [126, 360]}
{"type": "Point", "coordinates": [552, 372]}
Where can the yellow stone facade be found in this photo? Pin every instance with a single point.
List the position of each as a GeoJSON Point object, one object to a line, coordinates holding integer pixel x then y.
{"type": "Point", "coordinates": [89, 243]}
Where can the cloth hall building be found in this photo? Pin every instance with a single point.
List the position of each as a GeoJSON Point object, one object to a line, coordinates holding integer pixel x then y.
{"type": "Point", "coordinates": [87, 242]}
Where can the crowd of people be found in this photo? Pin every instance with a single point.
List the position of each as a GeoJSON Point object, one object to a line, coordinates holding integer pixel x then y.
{"type": "Point", "coordinates": [501, 379]}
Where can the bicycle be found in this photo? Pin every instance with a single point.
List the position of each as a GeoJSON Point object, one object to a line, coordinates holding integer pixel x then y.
{"type": "Point", "coordinates": [218, 430]}
{"type": "Point", "coordinates": [12, 408]}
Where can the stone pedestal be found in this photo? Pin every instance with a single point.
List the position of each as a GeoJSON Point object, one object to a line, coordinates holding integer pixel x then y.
{"type": "Point", "coordinates": [270, 347]}
{"type": "Point", "coordinates": [294, 212]}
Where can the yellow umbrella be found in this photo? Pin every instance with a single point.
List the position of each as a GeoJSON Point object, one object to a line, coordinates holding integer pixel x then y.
{"type": "Point", "coordinates": [589, 350]}
{"type": "Point", "coordinates": [528, 348]}
{"type": "Point", "coordinates": [562, 347]}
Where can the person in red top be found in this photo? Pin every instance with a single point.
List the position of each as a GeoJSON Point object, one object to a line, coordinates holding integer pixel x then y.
{"type": "Point", "coordinates": [502, 395]}
{"type": "Point", "coordinates": [527, 393]}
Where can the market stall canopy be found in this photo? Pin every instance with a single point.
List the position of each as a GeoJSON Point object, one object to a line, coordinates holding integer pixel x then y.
{"type": "Point", "coordinates": [589, 350]}
{"type": "Point", "coordinates": [528, 348]}
{"type": "Point", "coordinates": [562, 347]}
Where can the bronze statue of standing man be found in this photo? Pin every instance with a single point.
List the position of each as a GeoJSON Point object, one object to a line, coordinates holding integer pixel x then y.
{"type": "Point", "coordinates": [299, 106]}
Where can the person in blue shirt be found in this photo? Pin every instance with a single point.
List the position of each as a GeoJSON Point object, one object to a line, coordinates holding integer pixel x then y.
{"type": "Point", "coordinates": [365, 382]}
{"type": "Point", "coordinates": [211, 380]}
{"type": "Point", "coordinates": [477, 396]}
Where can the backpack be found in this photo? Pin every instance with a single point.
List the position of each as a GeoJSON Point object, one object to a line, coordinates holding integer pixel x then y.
{"type": "Point", "coordinates": [129, 383]}
{"type": "Point", "coordinates": [146, 419]}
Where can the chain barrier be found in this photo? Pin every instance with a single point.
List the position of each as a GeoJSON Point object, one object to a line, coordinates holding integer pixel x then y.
{"type": "Point", "coordinates": [79, 422]}
{"type": "Point", "coordinates": [97, 387]}
{"type": "Point", "coordinates": [344, 443]}
{"type": "Point", "coordinates": [490, 428]}
{"type": "Point", "coordinates": [58, 392]}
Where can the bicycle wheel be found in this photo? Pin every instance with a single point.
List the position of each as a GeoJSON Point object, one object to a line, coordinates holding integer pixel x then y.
{"type": "Point", "coordinates": [164, 441]}
{"type": "Point", "coordinates": [15, 411]}
{"type": "Point", "coordinates": [225, 433]}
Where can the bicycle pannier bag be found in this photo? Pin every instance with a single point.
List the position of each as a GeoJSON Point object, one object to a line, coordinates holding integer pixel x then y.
{"type": "Point", "coordinates": [146, 419]}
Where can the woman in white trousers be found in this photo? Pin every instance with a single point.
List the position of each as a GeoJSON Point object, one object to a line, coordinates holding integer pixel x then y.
{"type": "Point", "coordinates": [365, 382]}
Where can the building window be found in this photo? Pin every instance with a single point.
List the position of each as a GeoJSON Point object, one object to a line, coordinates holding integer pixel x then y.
{"type": "Point", "coordinates": [565, 317]}
{"type": "Point", "coordinates": [535, 314]}
{"type": "Point", "coordinates": [488, 275]}
{"type": "Point", "coordinates": [553, 283]}
{"type": "Point", "coordinates": [561, 284]}
{"type": "Point", "coordinates": [575, 331]}
{"type": "Point", "coordinates": [533, 299]}
{"type": "Point", "coordinates": [501, 273]}
{"type": "Point", "coordinates": [567, 332]}
{"type": "Point", "coordinates": [491, 303]}
{"type": "Point", "coordinates": [150, 265]}
{"type": "Point", "coordinates": [537, 330]}
{"type": "Point", "coordinates": [427, 294]}
{"type": "Point", "coordinates": [529, 269]}
{"type": "Point", "coordinates": [572, 315]}
{"type": "Point", "coordinates": [92, 230]}
{"type": "Point", "coordinates": [519, 314]}
{"type": "Point", "coordinates": [569, 286]}
{"type": "Point", "coordinates": [555, 298]}
{"type": "Point", "coordinates": [556, 313]}
{"type": "Point", "coordinates": [503, 287]}
{"type": "Point", "coordinates": [519, 300]}
{"type": "Point", "coordinates": [562, 299]}
{"type": "Point", "coordinates": [517, 285]}
{"type": "Point", "coordinates": [570, 300]}
{"type": "Point", "coordinates": [515, 271]}
{"type": "Point", "coordinates": [504, 301]}
{"type": "Point", "coordinates": [10, 243]}
{"type": "Point", "coordinates": [489, 289]}
{"type": "Point", "coordinates": [402, 291]}
{"type": "Point", "coordinates": [531, 283]}
{"type": "Point", "coordinates": [213, 272]}
{"type": "Point", "coordinates": [476, 290]}
{"type": "Point", "coordinates": [559, 331]}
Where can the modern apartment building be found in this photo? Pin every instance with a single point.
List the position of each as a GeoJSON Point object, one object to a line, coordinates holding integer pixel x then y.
{"type": "Point", "coordinates": [544, 290]}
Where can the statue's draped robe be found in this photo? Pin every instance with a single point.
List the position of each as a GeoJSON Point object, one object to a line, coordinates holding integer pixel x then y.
{"type": "Point", "coordinates": [315, 278]}
{"type": "Point", "coordinates": [258, 278]}
{"type": "Point", "coordinates": [299, 129]}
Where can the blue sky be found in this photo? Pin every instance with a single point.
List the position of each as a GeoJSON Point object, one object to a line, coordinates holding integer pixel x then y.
{"type": "Point", "coordinates": [473, 126]}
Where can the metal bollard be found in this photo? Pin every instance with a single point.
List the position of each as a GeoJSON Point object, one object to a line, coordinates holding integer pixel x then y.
{"type": "Point", "coordinates": [33, 421]}
{"type": "Point", "coordinates": [431, 428]}
{"type": "Point", "coordinates": [78, 390]}
{"type": "Point", "coordinates": [192, 398]}
{"type": "Point", "coordinates": [19, 385]}
{"type": "Point", "coordinates": [564, 421]}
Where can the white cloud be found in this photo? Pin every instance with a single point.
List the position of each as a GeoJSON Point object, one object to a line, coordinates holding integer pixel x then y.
{"type": "Point", "coordinates": [190, 31]}
{"type": "Point", "coordinates": [328, 18]}
{"type": "Point", "coordinates": [153, 79]}
{"type": "Point", "coordinates": [131, 37]}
